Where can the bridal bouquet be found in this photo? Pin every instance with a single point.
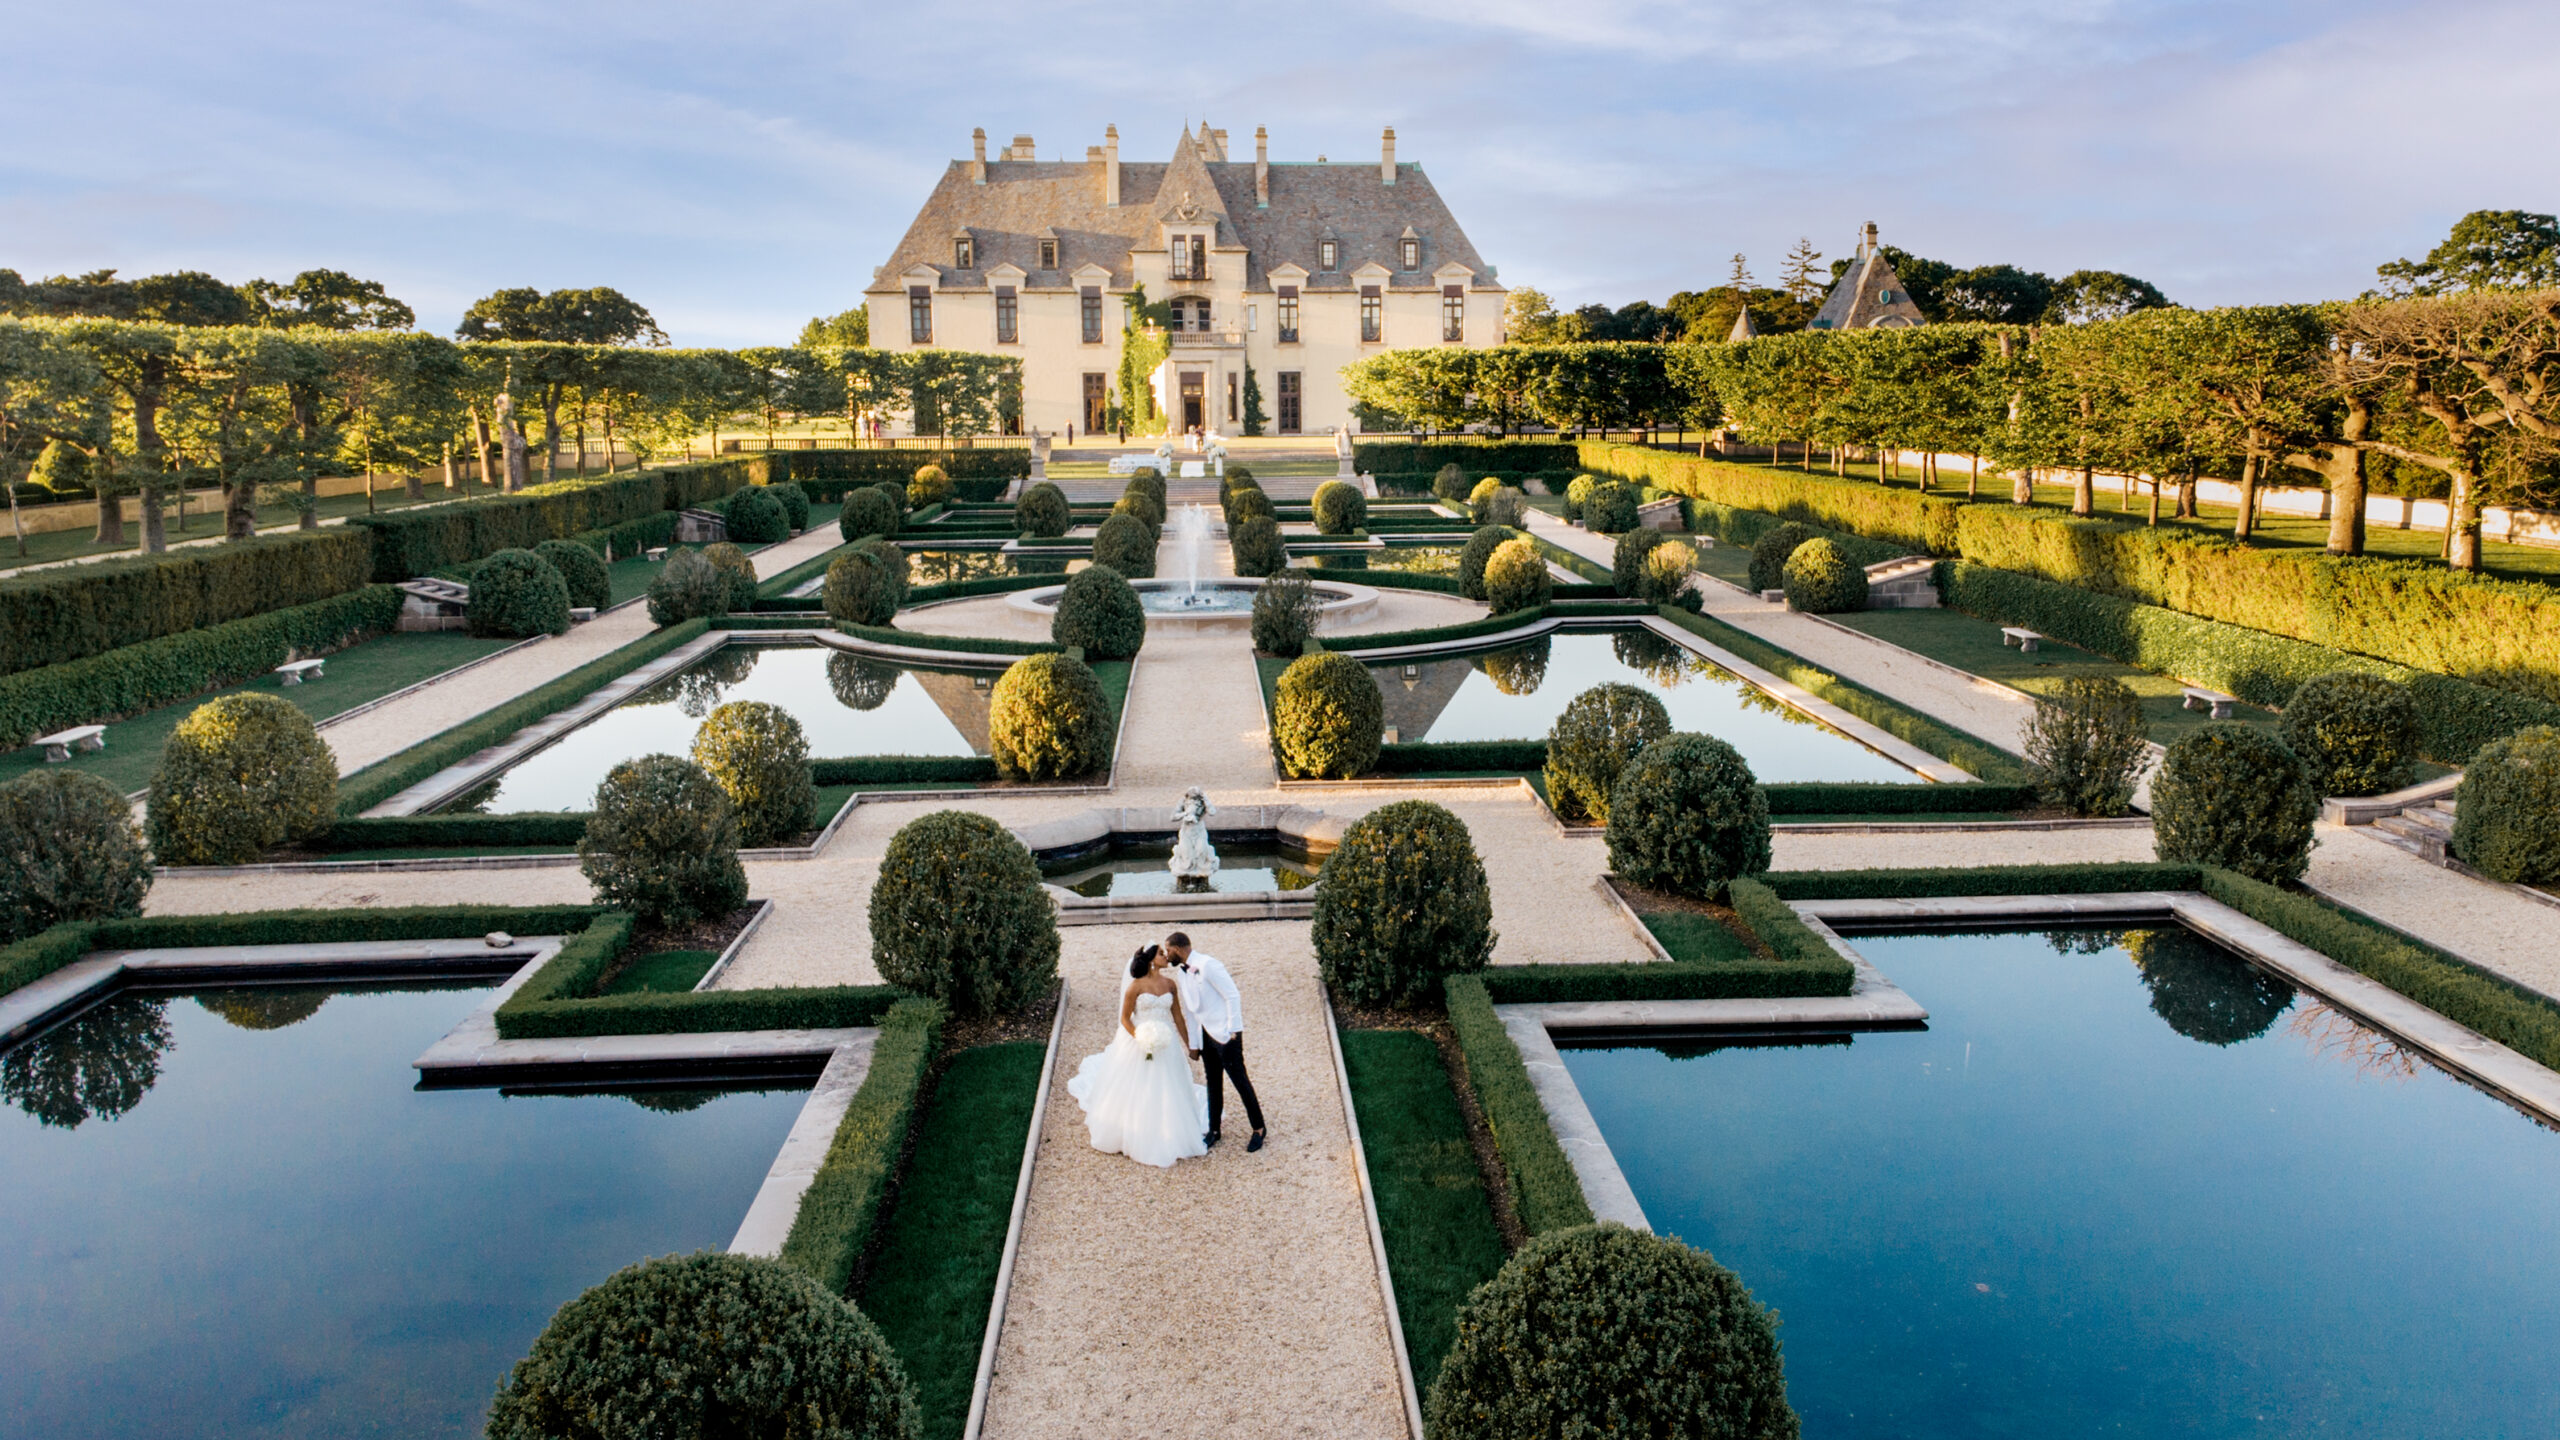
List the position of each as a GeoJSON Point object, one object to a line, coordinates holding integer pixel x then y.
{"type": "Point", "coordinates": [1152, 1036]}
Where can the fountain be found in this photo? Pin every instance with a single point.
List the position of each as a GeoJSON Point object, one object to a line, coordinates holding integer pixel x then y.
{"type": "Point", "coordinates": [1194, 858]}
{"type": "Point", "coordinates": [1193, 600]}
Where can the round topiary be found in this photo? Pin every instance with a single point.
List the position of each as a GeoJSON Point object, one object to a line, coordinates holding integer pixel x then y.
{"type": "Point", "coordinates": [702, 1346]}
{"type": "Point", "coordinates": [1665, 581]}
{"type": "Point", "coordinates": [663, 843]}
{"type": "Point", "coordinates": [1821, 581]}
{"type": "Point", "coordinates": [1043, 512]}
{"type": "Point", "coordinates": [1769, 554]}
{"type": "Point", "coordinates": [1049, 720]}
{"type": "Point", "coordinates": [1515, 578]}
{"type": "Point", "coordinates": [1450, 484]}
{"type": "Point", "coordinates": [582, 570]}
{"type": "Point", "coordinates": [69, 850]}
{"type": "Point", "coordinates": [1590, 744]}
{"type": "Point", "coordinates": [1329, 718]}
{"type": "Point", "coordinates": [1501, 505]}
{"type": "Point", "coordinates": [866, 584]}
{"type": "Point", "coordinates": [759, 757]}
{"type": "Point", "coordinates": [1138, 502]}
{"type": "Point", "coordinates": [1626, 561]}
{"type": "Point", "coordinates": [2506, 821]}
{"type": "Point", "coordinates": [733, 565]}
{"type": "Point", "coordinates": [1247, 502]}
{"type": "Point", "coordinates": [1483, 490]}
{"type": "Point", "coordinates": [958, 915]}
{"type": "Point", "coordinates": [1688, 817]}
{"type": "Point", "coordinates": [62, 468]}
{"type": "Point", "coordinates": [2356, 733]}
{"type": "Point", "coordinates": [2086, 745]}
{"type": "Point", "coordinates": [1577, 492]}
{"type": "Point", "coordinates": [241, 775]}
{"type": "Point", "coordinates": [1236, 474]}
{"type": "Point", "coordinates": [931, 486]}
{"type": "Point", "coordinates": [1100, 611]}
{"type": "Point", "coordinates": [1603, 1330]}
{"type": "Point", "coordinates": [686, 588]}
{"type": "Point", "coordinates": [867, 512]}
{"type": "Point", "coordinates": [756, 518]}
{"type": "Point", "coordinates": [1473, 556]}
{"type": "Point", "coordinates": [1340, 508]}
{"type": "Point", "coordinates": [1401, 905]}
{"type": "Point", "coordinates": [1610, 509]}
{"type": "Point", "coordinates": [795, 503]}
{"type": "Point", "coordinates": [861, 684]}
{"type": "Point", "coordinates": [1126, 544]}
{"type": "Point", "coordinates": [1255, 546]}
{"type": "Point", "coordinates": [1285, 610]}
{"type": "Point", "coordinates": [1149, 479]}
{"type": "Point", "coordinates": [516, 592]}
{"type": "Point", "coordinates": [2233, 795]}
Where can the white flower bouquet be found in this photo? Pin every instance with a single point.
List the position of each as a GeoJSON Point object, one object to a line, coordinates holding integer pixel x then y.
{"type": "Point", "coordinates": [1154, 1035]}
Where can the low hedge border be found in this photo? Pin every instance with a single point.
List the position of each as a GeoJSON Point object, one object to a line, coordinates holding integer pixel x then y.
{"type": "Point", "coordinates": [1545, 1193]}
{"type": "Point", "coordinates": [559, 1001]}
{"type": "Point", "coordinates": [991, 585]}
{"type": "Point", "coordinates": [1923, 881]}
{"type": "Point", "coordinates": [1478, 457]}
{"type": "Point", "coordinates": [958, 644]}
{"type": "Point", "coordinates": [782, 584]}
{"type": "Point", "coordinates": [68, 612]}
{"type": "Point", "coordinates": [1601, 577]}
{"type": "Point", "coordinates": [563, 828]}
{"type": "Point", "coordinates": [1793, 797]}
{"type": "Point", "coordinates": [904, 770]}
{"type": "Point", "coordinates": [39, 955]}
{"type": "Point", "coordinates": [843, 1207]}
{"type": "Point", "coordinates": [1566, 607]}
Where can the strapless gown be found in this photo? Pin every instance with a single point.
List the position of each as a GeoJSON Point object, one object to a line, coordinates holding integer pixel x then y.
{"type": "Point", "coordinates": [1137, 1094]}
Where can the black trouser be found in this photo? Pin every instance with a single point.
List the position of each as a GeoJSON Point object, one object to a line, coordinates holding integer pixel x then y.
{"type": "Point", "coordinates": [1224, 1060]}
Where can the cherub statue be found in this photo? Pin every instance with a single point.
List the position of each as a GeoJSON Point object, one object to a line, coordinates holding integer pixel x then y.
{"type": "Point", "coordinates": [1193, 857]}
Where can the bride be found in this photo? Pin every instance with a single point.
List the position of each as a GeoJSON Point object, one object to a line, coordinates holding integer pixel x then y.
{"type": "Point", "coordinates": [1137, 1093]}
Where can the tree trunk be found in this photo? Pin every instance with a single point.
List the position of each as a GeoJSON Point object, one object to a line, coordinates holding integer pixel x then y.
{"type": "Point", "coordinates": [2084, 492]}
{"type": "Point", "coordinates": [155, 526]}
{"type": "Point", "coordinates": [2246, 522]}
{"type": "Point", "coordinates": [110, 513]}
{"type": "Point", "coordinates": [2187, 493]}
{"type": "Point", "coordinates": [1973, 478]}
{"type": "Point", "coordinates": [414, 485]}
{"type": "Point", "coordinates": [612, 460]}
{"type": "Point", "coordinates": [2022, 485]}
{"type": "Point", "coordinates": [550, 432]}
{"type": "Point", "coordinates": [310, 502]}
{"type": "Point", "coordinates": [17, 527]}
{"type": "Point", "coordinates": [2155, 500]}
{"type": "Point", "coordinates": [240, 510]}
{"type": "Point", "coordinates": [2346, 493]}
{"type": "Point", "coordinates": [2462, 523]}
{"type": "Point", "coordinates": [480, 444]}
{"type": "Point", "coordinates": [449, 477]}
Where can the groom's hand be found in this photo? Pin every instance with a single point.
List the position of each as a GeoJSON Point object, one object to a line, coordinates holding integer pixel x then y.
{"type": "Point", "coordinates": [1195, 1054]}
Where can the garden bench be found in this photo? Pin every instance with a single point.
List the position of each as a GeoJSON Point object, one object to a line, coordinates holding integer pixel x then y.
{"type": "Point", "coordinates": [2200, 698]}
{"type": "Point", "coordinates": [581, 614]}
{"type": "Point", "coordinates": [656, 552]}
{"type": "Point", "coordinates": [57, 746]}
{"type": "Point", "coordinates": [297, 671]}
{"type": "Point", "coordinates": [2026, 640]}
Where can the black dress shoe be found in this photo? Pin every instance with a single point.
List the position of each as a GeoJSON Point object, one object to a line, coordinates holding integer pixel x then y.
{"type": "Point", "coordinates": [1211, 1139]}
{"type": "Point", "coordinates": [1253, 1144]}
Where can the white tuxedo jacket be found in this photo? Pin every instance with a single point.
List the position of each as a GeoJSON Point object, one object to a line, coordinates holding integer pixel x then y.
{"type": "Point", "coordinates": [1209, 999]}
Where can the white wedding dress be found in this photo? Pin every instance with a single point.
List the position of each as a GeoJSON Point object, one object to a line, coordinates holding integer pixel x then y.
{"type": "Point", "coordinates": [1137, 1094]}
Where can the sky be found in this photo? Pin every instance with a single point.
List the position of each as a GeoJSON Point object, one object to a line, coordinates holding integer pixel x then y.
{"type": "Point", "coordinates": [740, 168]}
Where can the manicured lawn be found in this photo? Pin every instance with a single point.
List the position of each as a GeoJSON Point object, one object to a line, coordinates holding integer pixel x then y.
{"type": "Point", "coordinates": [936, 1274]}
{"type": "Point", "coordinates": [667, 972]}
{"type": "Point", "coordinates": [1441, 1239]}
{"type": "Point", "coordinates": [356, 675]}
{"type": "Point", "coordinates": [1695, 939]}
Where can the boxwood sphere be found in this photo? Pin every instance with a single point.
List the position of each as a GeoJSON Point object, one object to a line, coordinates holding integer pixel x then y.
{"type": "Point", "coordinates": [2356, 733]}
{"type": "Point", "coordinates": [1100, 611]}
{"type": "Point", "coordinates": [1247, 502]}
{"type": "Point", "coordinates": [1329, 717]}
{"type": "Point", "coordinates": [581, 569]}
{"type": "Point", "coordinates": [1603, 1330]}
{"type": "Point", "coordinates": [931, 486]}
{"type": "Point", "coordinates": [1138, 502]}
{"type": "Point", "coordinates": [1665, 577]}
{"type": "Point", "coordinates": [1577, 492]}
{"type": "Point", "coordinates": [516, 592]}
{"type": "Point", "coordinates": [759, 757]}
{"type": "Point", "coordinates": [1126, 543]}
{"type": "Point", "coordinates": [1590, 744]}
{"type": "Point", "coordinates": [866, 584]}
{"type": "Point", "coordinates": [2232, 795]}
{"type": "Point", "coordinates": [1610, 509]}
{"type": "Point", "coordinates": [663, 842]}
{"type": "Point", "coordinates": [795, 503]}
{"type": "Point", "coordinates": [685, 587]}
{"type": "Point", "coordinates": [1769, 554]}
{"type": "Point", "coordinates": [1043, 512]}
{"type": "Point", "coordinates": [868, 512]}
{"type": "Point", "coordinates": [69, 850]}
{"type": "Point", "coordinates": [1401, 905]}
{"type": "Point", "coordinates": [1450, 484]}
{"type": "Point", "coordinates": [958, 915]}
{"type": "Point", "coordinates": [239, 776]}
{"type": "Point", "coordinates": [1049, 720]}
{"type": "Point", "coordinates": [756, 518]}
{"type": "Point", "coordinates": [1285, 613]}
{"type": "Point", "coordinates": [1688, 817]}
{"type": "Point", "coordinates": [733, 563]}
{"type": "Point", "coordinates": [1506, 505]}
{"type": "Point", "coordinates": [1821, 581]}
{"type": "Point", "coordinates": [1256, 547]}
{"type": "Point", "coordinates": [2506, 819]}
{"type": "Point", "coordinates": [1626, 560]}
{"type": "Point", "coordinates": [1340, 508]}
{"type": "Point", "coordinates": [1515, 578]}
{"type": "Point", "coordinates": [1147, 479]}
{"type": "Point", "coordinates": [693, 1347]}
{"type": "Point", "coordinates": [1473, 556]}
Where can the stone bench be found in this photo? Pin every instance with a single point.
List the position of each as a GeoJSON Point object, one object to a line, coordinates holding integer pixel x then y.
{"type": "Point", "coordinates": [297, 671]}
{"type": "Point", "coordinates": [655, 552]}
{"type": "Point", "coordinates": [57, 746]}
{"type": "Point", "coordinates": [2026, 640]}
{"type": "Point", "coordinates": [2200, 698]}
{"type": "Point", "coordinates": [581, 614]}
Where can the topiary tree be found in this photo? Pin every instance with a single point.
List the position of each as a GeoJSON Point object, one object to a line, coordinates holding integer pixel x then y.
{"type": "Point", "coordinates": [1329, 718]}
{"type": "Point", "coordinates": [1247, 502]}
{"type": "Point", "coordinates": [931, 486]}
{"type": "Point", "coordinates": [869, 512]}
{"type": "Point", "coordinates": [516, 592]}
{"type": "Point", "coordinates": [1043, 512]}
{"type": "Point", "coordinates": [1401, 905]}
{"type": "Point", "coordinates": [958, 915]}
{"type": "Point", "coordinates": [1603, 1330]}
{"type": "Point", "coordinates": [1769, 554]}
{"type": "Point", "coordinates": [1138, 502]}
{"type": "Point", "coordinates": [2355, 733]}
{"type": "Point", "coordinates": [1821, 581]}
{"type": "Point", "coordinates": [866, 584]}
{"type": "Point", "coordinates": [1577, 492]}
{"type": "Point", "coordinates": [69, 850]}
{"type": "Point", "coordinates": [1100, 611]}
{"type": "Point", "coordinates": [1626, 560]}
{"type": "Point", "coordinates": [1148, 479]}
{"type": "Point", "coordinates": [239, 776]}
{"type": "Point", "coordinates": [2087, 744]}
{"type": "Point", "coordinates": [1665, 580]}
{"type": "Point", "coordinates": [1610, 509]}
{"type": "Point", "coordinates": [795, 503]}
{"type": "Point", "coordinates": [663, 843]}
{"type": "Point", "coordinates": [759, 757]}
{"type": "Point", "coordinates": [1590, 744]}
{"type": "Point", "coordinates": [756, 518]}
{"type": "Point", "coordinates": [2232, 795]}
{"type": "Point", "coordinates": [1515, 578]}
{"type": "Point", "coordinates": [1474, 555]}
{"type": "Point", "coordinates": [1256, 547]}
{"type": "Point", "coordinates": [1126, 544]}
{"type": "Point", "coordinates": [740, 572]}
{"type": "Point", "coordinates": [687, 587]}
{"type": "Point", "coordinates": [1340, 508]}
{"type": "Point", "coordinates": [1688, 817]}
{"type": "Point", "coordinates": [1500, 505]}
{"type": "Point", "coordinates": [1285, 610]}
{"type": "Point", "coordinates": [2506, 821]}
{"type": "Point", "coordinates": [703, 1347]}
{"type": "Point", "coordinates": [1483, 491]}
{"type": "Point", "coordinates": [1450, 484]}
{"type": "Point", "coordinates": [590, 582]}
{"type": "Point", "coordinates": [1049, 720]}
{"type": "Point", "coordinates": [896, 494]}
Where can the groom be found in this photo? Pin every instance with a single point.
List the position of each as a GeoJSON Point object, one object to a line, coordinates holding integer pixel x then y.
{"type": "Point", "coordinates": [1216, 1015]}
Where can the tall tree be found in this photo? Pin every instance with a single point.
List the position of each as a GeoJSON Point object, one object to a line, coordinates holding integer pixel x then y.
{"type": "Point", "coordinates": [47, 392]}
{"type": "Point", "coordinates": [2488, 250]}
{"type": "Point", "coordinates": [327, 300]}
{"type": "Point", "coordinates": [850, 329]}
{"type": "Point", "coordinates": [1800, 277]}
{"type": "Point", "coordinates": [2086, 295]}
{"type": "Point", "coordinates": [597, 316]}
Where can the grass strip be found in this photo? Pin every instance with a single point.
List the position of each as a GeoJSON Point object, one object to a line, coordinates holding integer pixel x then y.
{"type": "Point", "coordinates": [841, 1210]}
{"type": "Point", "coordinates": [668, 972]}
{"type": "Point", "coordinates": [1545, 1193]}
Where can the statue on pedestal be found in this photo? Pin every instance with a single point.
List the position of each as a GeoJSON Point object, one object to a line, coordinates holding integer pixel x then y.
{"type": "Point", "coordinates": [511, 439]}
{"type": "Point", "coordinates": [1342, 452]}
{"type": "Point", "coordinates": [1194, 859]}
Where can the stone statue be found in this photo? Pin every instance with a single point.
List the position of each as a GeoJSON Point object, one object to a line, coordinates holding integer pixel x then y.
{"type": "Point", "coordinates": [1194, 859]}
{"type": "Point", "coordinates": [511, 439]}
{"type": "Point", "coordinates": [1342, 452]}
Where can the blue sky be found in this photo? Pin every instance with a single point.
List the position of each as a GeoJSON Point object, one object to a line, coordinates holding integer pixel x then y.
{"type": "Point", "coordinates": [738, 168]}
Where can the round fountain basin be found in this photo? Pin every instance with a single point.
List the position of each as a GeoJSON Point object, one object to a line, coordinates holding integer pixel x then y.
{"type": "Point", "coordinates": [1225, 603]}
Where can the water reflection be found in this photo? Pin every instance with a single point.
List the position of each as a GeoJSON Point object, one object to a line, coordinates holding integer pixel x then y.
{"type": "Point", "coordinates": [2203, 991]}
{"type": "Point", "coordinates": [271, 1007]}
{"type": "Point", "coordinates": [96, 1065]}
{"type": "Point", "coordinates": [861, 683]}
{"type": "Point", "coordinates": [1519, 670]}
{"type": "Point", "coordinates": [1393, 559]}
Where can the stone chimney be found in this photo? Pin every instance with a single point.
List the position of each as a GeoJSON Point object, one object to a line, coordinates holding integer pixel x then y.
{"type": "Point", "coordinates": [1218, 144]}
{"type": "Point", "coordinates": [978, 156]}
{"type": "Point", "coordinates": [1261, 168]}
{"type": "Point", "coordinates": [1387, 157]}
{"type": "Point", "coordinates": [1021, 149]}
{"type": "Point", "coordinates": [1111, 165]}
{"type": "Point", "coordinates": [1870, 250]}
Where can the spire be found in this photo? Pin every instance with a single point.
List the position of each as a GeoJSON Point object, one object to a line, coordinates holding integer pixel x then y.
{"type": "Point", "coordinates": [1188, 186]}
{"type": "Point", "coordinates": [1743, 329]}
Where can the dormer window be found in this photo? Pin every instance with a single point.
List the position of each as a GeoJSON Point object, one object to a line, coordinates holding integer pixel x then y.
{"type": "Point", "coordinates": [1409, 253]}
{"type": "Point", "coordinates": [964, 253]}
{"type": "Point", "coordinates": [1328, 254]}
{"type": "Point", "coordinates": [1048, 254]}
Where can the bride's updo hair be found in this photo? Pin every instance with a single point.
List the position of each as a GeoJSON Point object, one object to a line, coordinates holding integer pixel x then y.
{"type": "Point", "coordinates": [1142, 962]}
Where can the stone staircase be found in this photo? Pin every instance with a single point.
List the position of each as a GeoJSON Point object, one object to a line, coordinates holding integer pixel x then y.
{"type": "Point", "coordinates": [2424, 830]}
{"type": "Point", "coordinates": [1904, 584]}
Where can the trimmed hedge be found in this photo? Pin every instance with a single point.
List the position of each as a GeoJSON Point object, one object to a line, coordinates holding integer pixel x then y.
{"type": "Point", "coordinates": [1545, 1193]}
{"type": "Point", "coordinates": [843, 1207]}
{"type": "Point", "coordinates": [516, 593]}
{"type": "Point", "coordinates": [903, 770]}
{"type": "Point", "coordinates": [70, 612]}
{"type": "Point", "coordinates": [964, 644]}
{"type": "Point", "coordinates": [423, 539]}
{"type": "Point", "coordinates": [1820, 581]}
{"type": "Point", "coordinates": [582, 569]}
{"type": "Point", "coordinates": [1475, 457]}
{"type": "Point", "coordinates": [562, 829]}
{"type": "Point", "coordinates": [2507, 815]}
{"type": "Point", "coordinates": [559, 1001]}
{"type": "Point", "coordinates": [992, 585]}
{"type": "Point", "coordinates": [1921, 881]}
{"type": "Point", "coordinates": [242, 773]}
{"type": "Point", "coordinates": [1907, 517]}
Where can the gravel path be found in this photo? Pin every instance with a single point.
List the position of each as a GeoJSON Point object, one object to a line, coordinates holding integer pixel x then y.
{"type": "Point", "coordinates": [2489, 925]}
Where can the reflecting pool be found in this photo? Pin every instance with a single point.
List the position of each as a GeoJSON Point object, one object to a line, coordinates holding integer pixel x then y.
{"type": "Point", "coordinates": [1397, 559]}
{"type": "Point", "coordinates": [1517, 692]}
{"type": "Point", "coordinates": [230, 1214]}
{"type": "Point", "coordinates": [2124, 1183]}
{"type": "Point", "coordinates": [847, 704]}
{"type": "Point", "coordinates": [1140, 870]}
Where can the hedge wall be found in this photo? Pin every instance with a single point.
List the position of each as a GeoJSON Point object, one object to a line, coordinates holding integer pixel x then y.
{"type": "Point", "coordinates": [1545, 1193]}
{"type": "Point", "coordinates": [69, 612]}
{"type": "Point", "coordinates": [904, 770]}
{"type": "Point", "coordinates": [561, 829]}
{"type": "Point", "coordinates": [1478, 458]}
{"type": "Point", "coordinates": [1903, 516]}
{"type": "Point", "coordinates": [1742, 527]}
{"type": "Point", "coordinates": [1980, 880]}
{"type": "Point", "coordinates": [827, 474]}
{"type": "Point", "coordinates": [964, 644]}
{"type": "Point", "coordinates": [991, 585]}
{"type": "Point", "coordinates": [423, 539]}
{"type": "Point", "coordinates": [134, 678]}
{"type": "Point", "coordinates": [842, 1209]}
{"type": "Point", "coordinates": [40, 955]}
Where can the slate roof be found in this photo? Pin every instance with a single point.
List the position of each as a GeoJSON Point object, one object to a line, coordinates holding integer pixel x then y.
{"type": "Point", "coordinates": [1859, 301]}
{"type": "Point", "coordinates": [1309, 202]}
